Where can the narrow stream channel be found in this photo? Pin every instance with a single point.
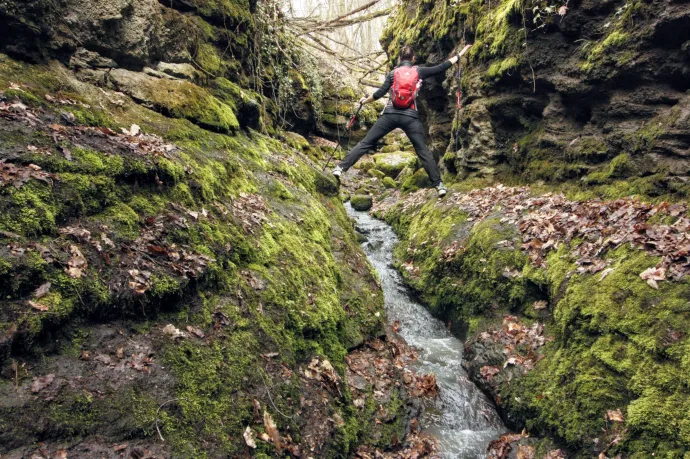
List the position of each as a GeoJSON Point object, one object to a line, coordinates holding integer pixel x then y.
{"type": "Point", "coordinates": [462, 419]}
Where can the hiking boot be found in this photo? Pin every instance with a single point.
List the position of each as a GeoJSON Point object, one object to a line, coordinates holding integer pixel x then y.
{"type": "Point", "coordinates": [337, 172]}
{"type": "Point", "coordinates": [441, 190]}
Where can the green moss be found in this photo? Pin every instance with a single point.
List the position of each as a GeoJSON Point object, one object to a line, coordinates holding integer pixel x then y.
{"type": "Point", "coordinates": [418, 180]}
{"type": "Point", "coordinates": [316, 296]}
{"type": "Point", "coordinates": [389, 182]}
{"type": "Point", "coordinates": [208, 58]}
{"type": "Point", "coordinates": [498, 70]}
{"type": "Point", "coordinates": [612, 41]}
{"type": "Point", "coordinates": [91, 116]}
{"type": "Point", "coordinates": [621, 166]}
{"type": "Point", "coordinates": [121, 218]}
{"type": "Point", "coordinates": [611, 352]}
{"type": "Point", "coordinates": [181, 99]}
{"type": "Point", "coordinates": [28, 211]}
{"type": "Point", "coordinates": [391, 164]}
{"type": "Point", "coordinates": [361, 202]}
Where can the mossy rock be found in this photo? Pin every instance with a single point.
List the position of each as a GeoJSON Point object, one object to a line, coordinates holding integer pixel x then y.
{"type": "Point", "coordinates": [418, 180]}
{"type": "Point", "coordinates": [361, 202]}
{"type": "Point", "coordinates": [392, 148]}
{"type": "Point", "coordinates": [621, 166]}
{"type": "Point", "coordinates": [325, 184]}
{"type": "Point", "coordinates": [295, 140]}
{"type": "Point", "coordinates": [365, 165]}
{"type": "Point", "coordinates": [177, 99]}
{"type": "Point", "coordinates": [389, 182]}
{"type": "Point", "coordinates": [392, 164]}
{"type": "Point", "coordinates": [376, 173]}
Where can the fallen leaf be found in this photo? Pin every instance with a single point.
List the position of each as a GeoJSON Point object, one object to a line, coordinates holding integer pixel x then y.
{"type": "Point", "coordinates": [173, 331]}
{"type": "Point", "coordinates": [133, 131]}
{"type": "Point", "coordinates": [249, 438]}
{"type": "Point", "coordinates": [605, 273]}
{"type": "Point", "coordinates": [272, 430]}
{"type": "Point", "coordinates": [539, 305]}
{"type": "Point", "coordinates": [195, 331]}
{"type": "Point", "coordinates": [615, 415]}
{"type": "Point", "coordinates": [42, 382]}
{"type": "Point", "coordinates": [42, 290]}
{"type": "Point", "coordinates": [525, 452]}
{"type": "Point", "coordinates": [141, 362]}
{"type": "Point", "coordinates": [120, 447]}
{"type": "Point", "coordinates": [77, 263]}
{"type": "Point", "coordinates": [38, 306]}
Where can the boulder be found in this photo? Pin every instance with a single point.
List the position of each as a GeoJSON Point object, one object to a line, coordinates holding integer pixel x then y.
{"type": "Point", "coordinates": [361, 202]}
{"type": "Point", "coordinates": [391, 164]}
{"type": "Point", "coordinates": [177, 99]}
{"type": "Point", "coordinates": [182, 71]}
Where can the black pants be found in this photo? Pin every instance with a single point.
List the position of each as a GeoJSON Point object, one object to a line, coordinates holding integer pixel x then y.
{"type": "Point", "coordinates": [413, 129]}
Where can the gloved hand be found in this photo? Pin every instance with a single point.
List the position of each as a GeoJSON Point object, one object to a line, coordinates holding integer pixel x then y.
{"type": "Point", "coordinates": [464, 50]}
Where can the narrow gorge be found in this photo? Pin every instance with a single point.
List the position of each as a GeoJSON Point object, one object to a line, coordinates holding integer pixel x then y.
{"type": "Point", "coordinates": [182, 276]}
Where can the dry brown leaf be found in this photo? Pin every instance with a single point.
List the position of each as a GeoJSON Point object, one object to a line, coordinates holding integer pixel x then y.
{"type": "Point", "coordinates": [272, 430]}
{"type": "Point", "coordinates": [539, 305]}
{"type": "Point", "coordinates": [615, 415]}
{"type": "Point", "coordinates": [249, 438]}
{"type": "Point", "coordinates": [42, 290]}
{"type": "Point", "coordinates": [41, 383]}
{"type": "Point", "coordinates": [195, 331]}
{"type": "Point", "coordinates": [173, 332]}
{"type": "Point", "coordinates": [525, 452]}
{"type": "Point", "coordinates": [38, 306]}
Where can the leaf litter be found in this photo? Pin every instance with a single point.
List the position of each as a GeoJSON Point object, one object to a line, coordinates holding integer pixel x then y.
{"type": "Point", "coordinates": [591, 227]}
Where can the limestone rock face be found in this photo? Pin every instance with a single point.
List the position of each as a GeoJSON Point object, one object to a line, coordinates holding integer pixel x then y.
{"type": "Point", "coordinates": [183, 71]}
{"type": "Point", "coordinates": [528, 104]}
{"type": "Point", "coordinates": [132, 33]}
{"type": "Point", "coordinates": [478, 152]}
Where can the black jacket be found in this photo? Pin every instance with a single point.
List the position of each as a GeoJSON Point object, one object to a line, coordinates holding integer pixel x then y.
{"type": "Point", "coordinates": [424, 73]}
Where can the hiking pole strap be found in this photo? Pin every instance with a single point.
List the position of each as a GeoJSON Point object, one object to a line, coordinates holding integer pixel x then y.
{"type": "Point", "coordinates": [354, 117]}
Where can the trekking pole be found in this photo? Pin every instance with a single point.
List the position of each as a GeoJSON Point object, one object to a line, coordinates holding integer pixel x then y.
{"type": "Point", "coordinates": [354, 117]}
{"type": "Point", "coordinates": [458, 103]}
{"type": "Point", "coordinates": [349, 127]}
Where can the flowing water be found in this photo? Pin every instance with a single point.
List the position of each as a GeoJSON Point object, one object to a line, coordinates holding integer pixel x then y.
{"type": "Point", "coordinates": [461, 418]}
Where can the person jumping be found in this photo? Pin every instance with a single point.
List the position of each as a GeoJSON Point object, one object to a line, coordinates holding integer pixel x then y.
{"type": "Point", "coordinates": [404, 83]}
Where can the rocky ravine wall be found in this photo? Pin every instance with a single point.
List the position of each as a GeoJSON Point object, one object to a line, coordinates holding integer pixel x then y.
{"type": "Point", "coordinates": [580, 351]}
{"type": "Point", "coordinates": [174, 283]}
{"type": "Point", "coordinates": [595, 97]}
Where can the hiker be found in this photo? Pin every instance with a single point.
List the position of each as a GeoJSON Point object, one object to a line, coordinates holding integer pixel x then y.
{"type": "Point", "coordinates": [401, 112]}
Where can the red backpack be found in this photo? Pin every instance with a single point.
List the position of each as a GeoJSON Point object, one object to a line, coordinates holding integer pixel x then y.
{"type": "Point", "coordinates": [406, 84]}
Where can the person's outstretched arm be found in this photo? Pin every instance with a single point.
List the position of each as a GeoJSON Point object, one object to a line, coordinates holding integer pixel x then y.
{"type": "Point", "coordinates": [379, 93]}
{"type": "Point", "coordinates": [426, 72]}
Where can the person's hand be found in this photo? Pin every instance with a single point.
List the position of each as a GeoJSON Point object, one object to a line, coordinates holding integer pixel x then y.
{"type": "Point", "coordinates": [362, 101]}
{"type": "Point", "coordinates": [464, 50]}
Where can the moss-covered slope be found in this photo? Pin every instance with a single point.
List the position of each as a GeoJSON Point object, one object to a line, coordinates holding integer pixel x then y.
{"type": "Point", "coordinates": [163, 281]}
{"type": "Point", "coordinates": [573, 347]}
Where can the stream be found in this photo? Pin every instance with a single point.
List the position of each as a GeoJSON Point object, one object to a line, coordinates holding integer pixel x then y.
{"type": "Point", "coordinates": [461, 418]}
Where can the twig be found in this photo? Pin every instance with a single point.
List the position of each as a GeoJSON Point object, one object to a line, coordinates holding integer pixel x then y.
{"type": "Point", "coordinates": [534, 79]}
{"type": "Point", "coordinates": [158, 411]}
{"type": "Point", "coordinates": [340, 18]}
{"type": "Point", "coordinates": [271, 398]}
